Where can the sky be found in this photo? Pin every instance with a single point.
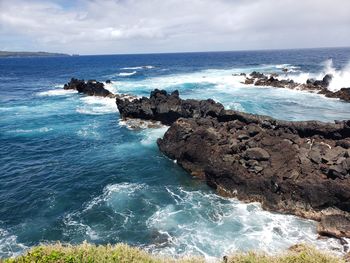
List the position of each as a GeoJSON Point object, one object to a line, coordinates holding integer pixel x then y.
{"type": "Point", "coordinates": [157, 26]}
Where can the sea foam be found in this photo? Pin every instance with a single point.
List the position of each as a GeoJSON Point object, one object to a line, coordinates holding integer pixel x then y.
{"type": "Point", "coordinates": [195, 222]}
{"type": "Point", "coordinates": [341, 77]}
{"type": "Point", "coordinates": [37, 130]}
{"type": "Point", "coordinates": [57, 92]}
{"type": "Point", "coordinates": [127, 74]}
{"type": "Point", "coordinates": [139, 67]}
{"type": "Point", "coordinates": [93, 105]}
{"type": "Point", "coordinates": [9, 246]}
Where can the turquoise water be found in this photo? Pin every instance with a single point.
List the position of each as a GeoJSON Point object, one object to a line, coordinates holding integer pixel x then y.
{"type": "Point", "coordinates": [70, 171]}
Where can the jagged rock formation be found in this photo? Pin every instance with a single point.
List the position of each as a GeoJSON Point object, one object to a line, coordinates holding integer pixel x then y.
{"type": "Point", "coordinates": [301, 168]}
{"type": "Point", "coordinates": [167, 108]}
{"type": "Point", "coordinates": [319, 86]}
{"type": "Point", "coordinates": [95, 88]}
{"type": "Point", "coordinates": [91, 88]}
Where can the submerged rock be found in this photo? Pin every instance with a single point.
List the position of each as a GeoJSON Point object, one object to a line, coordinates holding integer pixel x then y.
{"type": "Point", "coordinates": [139, 124]}
{"type": "Point", "coordinates": [91, 88]}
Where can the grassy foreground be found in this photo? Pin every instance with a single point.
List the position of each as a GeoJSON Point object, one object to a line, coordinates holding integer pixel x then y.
{"type": "Point", "coordinates": [124, 254]}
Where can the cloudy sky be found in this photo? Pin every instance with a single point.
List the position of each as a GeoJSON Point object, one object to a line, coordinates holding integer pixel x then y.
{"type": "Point", "coordinates": [148, 26]}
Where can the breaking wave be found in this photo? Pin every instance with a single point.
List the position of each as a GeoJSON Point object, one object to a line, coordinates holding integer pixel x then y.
{"type": "Point", "coordinates": [9, 246]}
{"type": "Point", "coordinates": [139, 67]}
{"type": "Point", "coordinates": [127, 74]}
{"type": "Point", "coordinates": [93, 105]}
{"type": "Point", "coordinates": [57, 92]}
{"type": "Point", "coordinates": [194, 222]}
{"type": "Point", "coordinates": [341, 77]}
{"type": "Point", "coordinates": [40, 130]}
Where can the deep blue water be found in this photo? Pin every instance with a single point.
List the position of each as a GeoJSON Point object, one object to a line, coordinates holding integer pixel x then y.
{"type": "Point", "coordinates": [70, 171]}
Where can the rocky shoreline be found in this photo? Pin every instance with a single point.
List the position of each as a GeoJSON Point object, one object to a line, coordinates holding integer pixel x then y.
{"type": "Point", "coordinates": [302, 168]}
{"type": "Point", "coordinates": [311, 85]}
{"type": "Point", "coordinates": [94, 88]}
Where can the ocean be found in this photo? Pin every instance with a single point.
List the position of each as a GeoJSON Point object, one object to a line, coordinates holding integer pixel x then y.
{"type": "Point", "coordinates": [71, 171]}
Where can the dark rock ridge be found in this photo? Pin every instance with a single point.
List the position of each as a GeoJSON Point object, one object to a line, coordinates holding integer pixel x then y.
{"type": "Point", "coordinates": [167, 108]}
{"type": "Point", "coordinates": [293, 167]}
{"type": "Point", "coordinates": [90, 87]}
{"type": "Point", "coordinates": [319, 86]}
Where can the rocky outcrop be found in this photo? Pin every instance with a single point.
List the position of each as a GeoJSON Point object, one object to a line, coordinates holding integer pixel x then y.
{"type": "Point", "coordinates": [167, 108]}
{"type": "Point", "coordinates": [319, 86]}
{"type": "Point", "coordinates": [278, 165]}
{"type": "Point", "coordinates": [91, 88]}
{"type": "Point", "coordinates": [343, 94]}
{"type": "Point", "coordinates": [334, 225]}
{"type": "Point", "coordinates": [324, 83]}
{"type": "Point", "coordinates": [301, 168]}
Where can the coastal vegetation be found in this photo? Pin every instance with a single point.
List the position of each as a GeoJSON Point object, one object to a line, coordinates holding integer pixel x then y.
{"type": "Point", "coordinates": [124, 253]}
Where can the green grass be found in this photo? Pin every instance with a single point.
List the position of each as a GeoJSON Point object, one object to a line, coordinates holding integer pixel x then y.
{"type": "Point", "coordinates": [124, 254]}
{"type": "Point", "coordinates": [296, 254]}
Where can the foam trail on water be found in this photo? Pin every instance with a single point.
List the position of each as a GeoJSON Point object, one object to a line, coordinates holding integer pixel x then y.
{"type": "Point", "coordinates": [40, 130]}
{"type": "Point", "coordinates": [9, 247]}
{"type": "Point", "coordinates": [90, 131]}
{"type": "Point", "coordinates": [151, 135]}
{"type": "Point", "coordinates": [194, 222]}
{"type": "Point", "coordinates": [139, 67]}
{"type": "Point", "coordinates": [93, 105]}
{"type": "Point", "coordinates": [226, 225]}
{"type": "Point", "coordinates": [57, 92]}
{"type": "Point", "coordinates": [126, 74]}
{"type": "Point", "coordinates": [211, 76]}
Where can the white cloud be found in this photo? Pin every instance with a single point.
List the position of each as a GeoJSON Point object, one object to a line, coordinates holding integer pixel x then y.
{"type": "Point", "coordinates": [128, 26]}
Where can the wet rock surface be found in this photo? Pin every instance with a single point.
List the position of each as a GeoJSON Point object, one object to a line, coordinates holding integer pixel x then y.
{"type": "Point", "coordinates": [167, 108]}
{"type": "Point", "coordinates": [139, 124]}
{"type": "Point", "coordinates": [95, 88]}
{"type": "Point", "coordinates": [286, 172]}
{"type": "Point", "coordinates": [90, 87]}
{"type": "Point", "coordinates": [334, 225]}
{"type": "Point", "coordinates": [319, 86]}
{"type": "Point", "coordinates": [301, 168]}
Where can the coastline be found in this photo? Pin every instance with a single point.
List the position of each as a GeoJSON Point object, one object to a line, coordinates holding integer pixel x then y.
{"type": "Point", "coordinates": [91, 126]}
{"type": "Point", "coordinates": [26, 54]}
{"type": "Point", "coordinates": [238, 154]}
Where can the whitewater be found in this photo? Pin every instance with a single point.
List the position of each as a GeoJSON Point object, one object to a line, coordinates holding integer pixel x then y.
{"type": "Point", "coordinates": [73, 171]}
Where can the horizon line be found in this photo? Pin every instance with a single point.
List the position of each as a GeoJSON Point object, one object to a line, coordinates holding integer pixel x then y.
{"type": "Point", "coordinates": [183, 52]}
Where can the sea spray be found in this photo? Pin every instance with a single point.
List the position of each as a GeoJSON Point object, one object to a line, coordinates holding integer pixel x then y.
{"type": "Point", "coordinates": [341, 78]}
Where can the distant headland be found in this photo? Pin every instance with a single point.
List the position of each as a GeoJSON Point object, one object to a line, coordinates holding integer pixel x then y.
{"type": "Point", "coordinates": [10, 54]}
